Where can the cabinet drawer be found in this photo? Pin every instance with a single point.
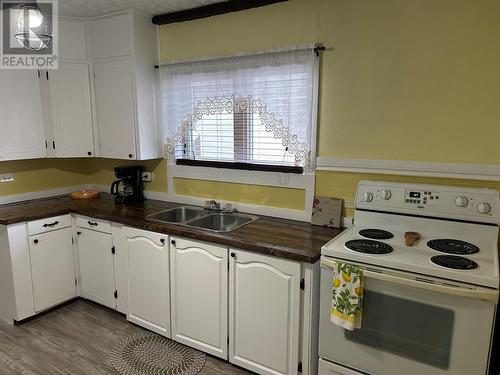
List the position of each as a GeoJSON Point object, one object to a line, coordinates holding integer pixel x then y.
{"type": "Point", "coordinates": [48, 224]}
{"type": "Point", "coordinates": [93, 224]}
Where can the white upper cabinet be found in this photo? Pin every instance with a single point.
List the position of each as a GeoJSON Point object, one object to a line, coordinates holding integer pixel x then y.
{"type": "Point", "coordinates": [199, 283]}
{"type": "Point", "coordinates": [113, 88]}
{"type": "Point", "coordinates": [21, 127]}
{"type": "Point", "coordinates": [125, 50]}
{"type": "Point", "coordinates": [264, 310]}
{"type": "Point", "coordinates": [71, 110]}
{"type": "Point", "coordinates": [67, 95]}
{"type": "Point", "coordinates": [111, 36]}
{"type": "Point", "coordinates": [72, 40]}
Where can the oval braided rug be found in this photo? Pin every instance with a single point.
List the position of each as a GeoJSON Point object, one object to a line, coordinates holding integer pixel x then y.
{"type": "Point", "coordinates": [150, 354]}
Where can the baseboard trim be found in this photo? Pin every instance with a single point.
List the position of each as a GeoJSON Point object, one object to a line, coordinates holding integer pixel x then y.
{"type": "Point", "coordinates": [14, 198]}
{"type": "Point", "coordinates": [465, 171]}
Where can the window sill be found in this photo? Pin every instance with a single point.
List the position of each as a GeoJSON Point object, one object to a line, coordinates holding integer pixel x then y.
{"type": "Point", "coordinates": [241, 166]}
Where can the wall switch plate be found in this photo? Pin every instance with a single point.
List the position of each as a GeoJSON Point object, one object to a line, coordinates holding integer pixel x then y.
{"type": "Point", "coordinates": [8, 177]}
{"type": "Point", "coordinates": [147, 176]}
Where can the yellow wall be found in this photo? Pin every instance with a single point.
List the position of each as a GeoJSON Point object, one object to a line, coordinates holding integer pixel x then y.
{"type": "Point", "coordinates": [402, 79]}
{"type": "Point", "coordinates": [43, 174]}
{"type": "Point", "coordinates": [341, 184]}
{"type": "Point", "coordinates": [411, 80]}
{"type": "Point", "coordinates": [101, 171]}
{"type": "Point", "coordinates": [253, 194]}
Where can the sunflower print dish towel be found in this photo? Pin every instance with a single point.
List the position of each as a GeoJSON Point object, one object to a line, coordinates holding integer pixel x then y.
{"type": "Point", "coordinates": [347, 296]}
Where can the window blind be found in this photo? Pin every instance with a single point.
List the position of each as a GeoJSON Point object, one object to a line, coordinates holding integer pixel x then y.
{"type": "Point", "coordinates": [254, 109]}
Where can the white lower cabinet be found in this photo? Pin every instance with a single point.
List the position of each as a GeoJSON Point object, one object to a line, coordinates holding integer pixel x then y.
{"type": "Point", "coordinates": [264, 311]}
{"type": "Point", "coordinates": [95, 258]}
{"type": "Point", "coordinates": [148, 280]}
{"type": "Point", "coordinates": [52, 268]}
{"type": "Point", "coordinates": [199, 286]}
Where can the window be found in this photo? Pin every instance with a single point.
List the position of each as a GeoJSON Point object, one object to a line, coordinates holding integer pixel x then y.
{"type": "Point", "coordinates": [251, 112]}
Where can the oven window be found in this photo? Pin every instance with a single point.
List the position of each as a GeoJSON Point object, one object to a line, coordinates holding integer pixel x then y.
{"type": "Point", "coordinates": [409, 329]}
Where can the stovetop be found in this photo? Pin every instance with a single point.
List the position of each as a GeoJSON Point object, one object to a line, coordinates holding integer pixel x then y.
{"type": "Point", "coordinates": [458, 229]}
{"type": "Point", "coordinates": [472, 259]}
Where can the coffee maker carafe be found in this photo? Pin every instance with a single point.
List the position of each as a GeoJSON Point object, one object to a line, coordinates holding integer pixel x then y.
{"type": "Point", "coordinates": [129, 187]}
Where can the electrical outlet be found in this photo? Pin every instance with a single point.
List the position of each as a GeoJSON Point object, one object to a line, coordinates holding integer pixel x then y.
{"type": "Point", "coordinates": [348, 203]}
{"type": "Point", "coordinates": [8, 177]}
{"type": "Point", "coordinates": [147, 176]}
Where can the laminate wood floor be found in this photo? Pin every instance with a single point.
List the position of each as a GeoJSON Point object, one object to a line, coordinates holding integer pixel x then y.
{"type": "Point", "coordinates": [74, 339]}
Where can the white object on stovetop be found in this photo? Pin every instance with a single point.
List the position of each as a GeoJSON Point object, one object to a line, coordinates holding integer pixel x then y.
{"type": "Point", "coordinates": [441, 219]}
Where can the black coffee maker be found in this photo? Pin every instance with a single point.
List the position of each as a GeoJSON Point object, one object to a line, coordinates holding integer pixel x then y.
{"type": "Point", "coordinates": [129, 187]}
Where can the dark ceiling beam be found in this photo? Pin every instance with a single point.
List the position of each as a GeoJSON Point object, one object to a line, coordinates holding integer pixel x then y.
{"type": "Point", "coordinates": [211, 10]}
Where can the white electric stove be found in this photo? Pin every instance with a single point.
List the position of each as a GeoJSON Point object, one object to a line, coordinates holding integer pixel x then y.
{"type": "Point", "coordinates": [424, 304]}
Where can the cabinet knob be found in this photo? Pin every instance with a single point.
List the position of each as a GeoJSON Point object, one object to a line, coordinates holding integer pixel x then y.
{"type": "Point", "coordinates": [172, 242]}
{"type": "Point", "coordinates": [162, 240]}
{"type": "Point", "coordinates": [233, 255]}
{"type": "Point", "coordinates": [130, 156]}
{"type": "Point", "coordinates": [78, 233]}
{"type": "Point", "coordinates": [35, 241]}
{"type": "Point", "coordinates": [89, 153]}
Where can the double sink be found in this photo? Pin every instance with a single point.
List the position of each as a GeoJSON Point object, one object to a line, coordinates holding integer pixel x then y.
{"type": "Point", "coordinates": [216, 221]}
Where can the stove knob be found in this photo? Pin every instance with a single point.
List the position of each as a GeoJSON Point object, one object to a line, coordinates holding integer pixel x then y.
{"type": "Point", "coordinates": [461, 201]}
{"type": "Point", "coordinates": [385, 194]}
{"type": "Point", "coordinates": [367, 197]}
{"type": "Point", "coordinates": [483, 208]}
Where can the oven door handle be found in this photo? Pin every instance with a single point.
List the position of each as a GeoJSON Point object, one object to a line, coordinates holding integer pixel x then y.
{"type": "Point", "coordinates": [485, 294]}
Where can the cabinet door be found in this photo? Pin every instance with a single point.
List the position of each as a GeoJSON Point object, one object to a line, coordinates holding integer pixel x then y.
{"type": "Point", "coordinates": [71, 110]}
{"type": "Point", "coordinates": [21, 127]}
{"type": "Point", "coordinates": [264, 310]}
{"type": "Point", "coordinates": [115, 108]}
{"type": "Point", "coordinates": [148, 279]}
{"type": "Point", "coordinates": [199, 284]}
{"type": "Point", "coordinates": [111, 36]}
{"type": "Point", "coordinates": [72, 40]}
{"type": "Point", "coordinates": [52, 268]}
{"type": "Point", "coordinates": [97, 281]}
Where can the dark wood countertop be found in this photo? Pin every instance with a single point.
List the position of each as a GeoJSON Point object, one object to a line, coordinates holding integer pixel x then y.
{"type": "Point", "coordinates": [290, 239]}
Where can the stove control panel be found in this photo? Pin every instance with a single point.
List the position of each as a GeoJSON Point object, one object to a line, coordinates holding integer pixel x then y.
{"type": "Point", "coordinates": [482, 205]}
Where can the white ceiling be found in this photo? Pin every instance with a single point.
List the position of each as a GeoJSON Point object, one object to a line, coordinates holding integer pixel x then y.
{"type": "Point", "coordinates": [90, 8]}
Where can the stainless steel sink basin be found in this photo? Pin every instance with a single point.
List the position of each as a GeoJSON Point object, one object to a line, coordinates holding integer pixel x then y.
{"type": "Point", "coordinates": [222, 222]}
{"type": "Point", "coordinates": [181, 214]}
{"type": "Point", "coordinates": [203, 219]}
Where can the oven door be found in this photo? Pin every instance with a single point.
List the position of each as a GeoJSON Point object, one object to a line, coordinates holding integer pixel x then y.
{"type": "Point", "coordinates": [411, 326]}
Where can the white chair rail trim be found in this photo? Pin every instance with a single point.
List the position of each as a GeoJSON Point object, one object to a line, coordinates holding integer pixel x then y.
{"type": "Point", "coordinates": [466, 171]}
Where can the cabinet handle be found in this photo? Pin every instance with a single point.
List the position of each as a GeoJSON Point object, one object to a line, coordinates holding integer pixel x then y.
{"type": "Point", "coordinates": [51, 224]}
{"type": "Point", "coordinates": [54, 145]}
{"type": "Point", "coordinates": [92, 223]}
{"type": "Point", "coordinates": [233, 255]}
{"type": "Point", "coordinates": [35, 241]}
{"type": "Point", "coordinates": [78, 233]}
{"type": "Point", "coordinates": [172, 242]}
{"type": "Point", "coordinates": [47, 75]}
{"type": "Point", "coordinates": [130, 156]}
{"type": "Point", "coordinates": [162, 240]}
